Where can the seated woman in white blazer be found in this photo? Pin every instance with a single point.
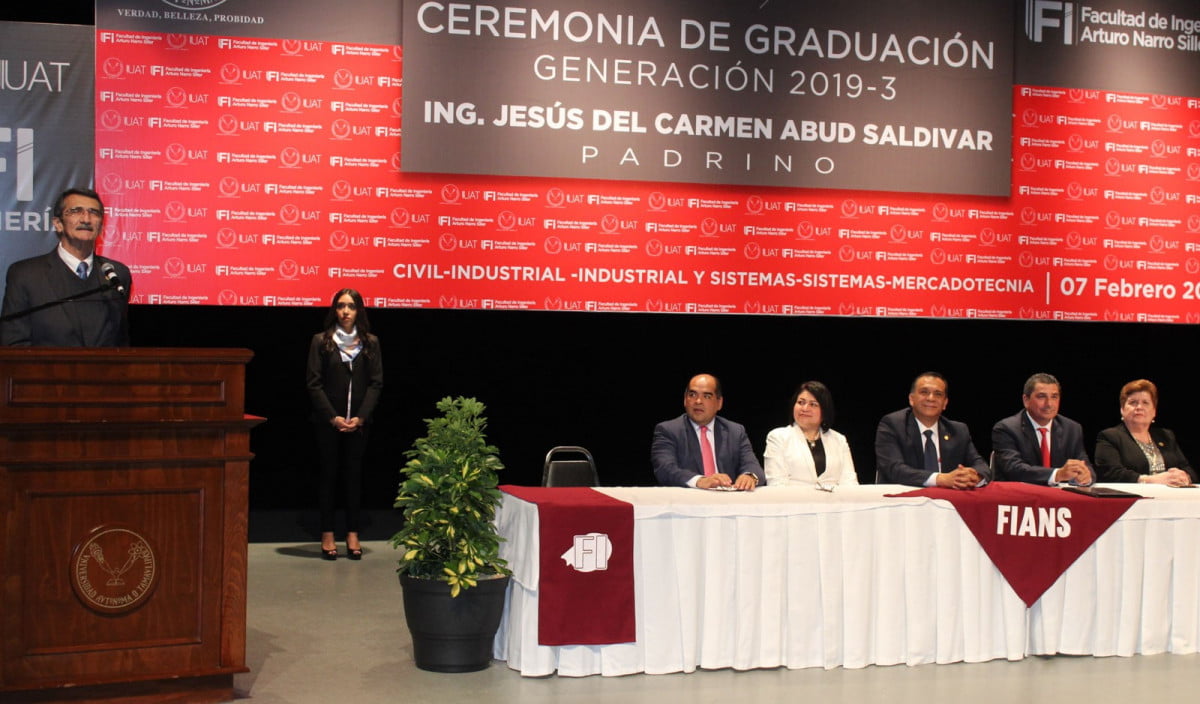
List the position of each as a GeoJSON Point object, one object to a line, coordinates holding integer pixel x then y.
{"type": "Point", "coordinates": [808, 451]}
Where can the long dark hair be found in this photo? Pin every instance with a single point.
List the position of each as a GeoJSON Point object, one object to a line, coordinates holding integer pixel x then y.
{"type": "Point", "coordinates": [362, 322]}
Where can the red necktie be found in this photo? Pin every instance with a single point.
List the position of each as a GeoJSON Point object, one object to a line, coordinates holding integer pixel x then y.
{"type": "Point", "coordinates": [1045, 446]}
{"type": "Point", "coordinates": [706, 453]}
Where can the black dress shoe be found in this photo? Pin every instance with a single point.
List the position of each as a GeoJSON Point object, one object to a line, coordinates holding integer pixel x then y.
{"type": "Point", "coordinates": [355, 554]}
{"type": "Point", "coordinates": [330, 554]}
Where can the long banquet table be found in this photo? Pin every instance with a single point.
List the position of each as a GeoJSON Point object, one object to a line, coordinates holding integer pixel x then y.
{"type": "Point", "coordinates": [797, 577]}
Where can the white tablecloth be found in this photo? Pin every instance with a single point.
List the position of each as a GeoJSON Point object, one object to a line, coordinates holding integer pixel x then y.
{"type": "Point", "coordinates": [797, 577]}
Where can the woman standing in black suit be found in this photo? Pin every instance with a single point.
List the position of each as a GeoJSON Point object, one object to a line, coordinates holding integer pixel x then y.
{"type": "Point", "coordinates": [1134, 451]}
{"type": "Point", "coordinates": [345, 377]}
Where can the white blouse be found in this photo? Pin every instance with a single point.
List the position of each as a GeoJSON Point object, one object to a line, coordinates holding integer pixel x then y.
{"type": "Point", "coordinates": [789, 461]}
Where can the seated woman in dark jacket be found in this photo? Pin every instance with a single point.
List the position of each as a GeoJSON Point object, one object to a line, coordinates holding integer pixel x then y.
{"type": "Point", "coordinates": [1134, 451]}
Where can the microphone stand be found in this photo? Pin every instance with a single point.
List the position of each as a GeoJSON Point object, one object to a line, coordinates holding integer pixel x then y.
{"type": "Point", "coordinates": [106, 286]}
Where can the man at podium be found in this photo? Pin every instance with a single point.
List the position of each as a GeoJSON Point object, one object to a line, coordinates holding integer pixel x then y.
{"type": "Point", "coordinates": [71, 296]}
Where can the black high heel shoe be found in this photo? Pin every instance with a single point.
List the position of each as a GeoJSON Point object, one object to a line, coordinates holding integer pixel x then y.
{"type": "Point", "coordinates": [355, 554]}
{"type": "Point", "coordinates": [330, 554]}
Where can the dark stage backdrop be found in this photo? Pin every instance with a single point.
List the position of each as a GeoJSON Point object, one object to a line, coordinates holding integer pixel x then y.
{"type": "Point", "coordinates": [604, 380]}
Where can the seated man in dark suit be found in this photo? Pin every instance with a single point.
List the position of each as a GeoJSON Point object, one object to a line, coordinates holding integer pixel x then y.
{"type": "Point", "coordinates": [917, 447]}
{"type": "Point", "coordinates": [1038, 445]}
{"type": "Point", "coordinates": [724, 460]}
{"type": "Point", "coordinates": [98, 315]}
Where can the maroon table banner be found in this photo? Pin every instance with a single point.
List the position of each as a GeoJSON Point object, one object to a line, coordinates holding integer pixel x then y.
{"type": "Point", "coordinates": [585, 583]}
{"type": "Point", "coordinates": [1031, 533]}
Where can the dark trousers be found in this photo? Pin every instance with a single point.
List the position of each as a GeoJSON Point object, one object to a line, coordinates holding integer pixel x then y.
{"type": "Point", "coordinates": [341, 454]}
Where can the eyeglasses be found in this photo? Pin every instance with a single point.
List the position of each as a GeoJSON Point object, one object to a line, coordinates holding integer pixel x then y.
{"type": "Point", "coordinates": [80, 210]}
{"type": "Point", "coordinates": [805, 403]}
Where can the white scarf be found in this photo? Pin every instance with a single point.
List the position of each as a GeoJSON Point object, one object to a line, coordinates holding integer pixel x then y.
{"type": "Point", "coordinates": [348, 344]}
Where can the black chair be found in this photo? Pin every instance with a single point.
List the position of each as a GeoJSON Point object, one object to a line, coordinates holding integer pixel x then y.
{"type": "Point", "coordinates": [571, 472]}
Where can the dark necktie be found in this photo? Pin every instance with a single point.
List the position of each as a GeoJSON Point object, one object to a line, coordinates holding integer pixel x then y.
{"type": "Point", "coordinates": [81, 270]}
{"type": "Point", "coordinates": [931, 457]}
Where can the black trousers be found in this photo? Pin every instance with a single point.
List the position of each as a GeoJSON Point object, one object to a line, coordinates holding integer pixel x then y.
{"type": "Point", "coordinates": [341, 455]}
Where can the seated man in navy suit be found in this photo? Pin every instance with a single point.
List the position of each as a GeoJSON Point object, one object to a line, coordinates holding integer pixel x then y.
{"type": "Point", "coordinates": [918, 447]}
{"type": "Point", "coordinates": [702, 450]}
{"type": "Point", "coordinates": [1037, 445]}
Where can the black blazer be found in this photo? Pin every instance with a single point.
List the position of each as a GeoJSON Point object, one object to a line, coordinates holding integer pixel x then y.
{"type": "Point", "coordinates": [900, 454]}
{"type": "Point", "coordinates": [675, 451]}
{"type": "Point", "coordinates": [98, 320]}
{"type": "Point", "coordinates": [1120, 459]}
{"type": "Point", "coordinates": [330, 380]}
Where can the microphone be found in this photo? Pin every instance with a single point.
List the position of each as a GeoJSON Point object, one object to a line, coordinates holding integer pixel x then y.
{"type": "Point", "coordinates": [109, 272]}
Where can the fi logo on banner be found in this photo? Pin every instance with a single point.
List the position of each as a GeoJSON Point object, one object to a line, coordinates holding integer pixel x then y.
{"type": "Point", "coordinates": [1049, 14]}
{"type": "Point", "coordinates": [24, 152]}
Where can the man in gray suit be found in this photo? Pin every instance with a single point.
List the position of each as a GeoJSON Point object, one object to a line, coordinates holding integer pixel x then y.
{"type": "Point", "coordinates": [79, 295]}
{"type": "Point", "coordinates": [1037, 445]}
{"type": "Point", "coordinates": [702, 450]}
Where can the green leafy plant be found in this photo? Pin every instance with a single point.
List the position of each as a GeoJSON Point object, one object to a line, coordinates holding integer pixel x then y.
{"type": "Point", "coordinates": [449, 496]}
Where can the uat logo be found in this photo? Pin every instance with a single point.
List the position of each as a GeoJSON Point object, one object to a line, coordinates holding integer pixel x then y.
{"type": "Point", "coordinates": [708, 227]}
{"type": "Point", "coordinates": [397, 106]}
{"type": "Point", "coordinates": [289, 214]}
{"type": "Point", "coordinates": [1193, 172]}
{"type": "Point", "coordinates": [1157, 243]}
{"type": "Point", "coordinates": [228, 187]}
{"type": "Point", "coordinates": [1111, 262]}
{"type": "Point", "coordinates": [450, 193]}
{"type": "Point", "coordinates": [938, 256]}
{"type": "Point", "coordinates": [1074, 240]}
{"type": "Point", "coordinates": [754, 205]}
{"type": "Point", "coordinates": [395, 162]}
{"type": "Point", "coordinates": [656, 200]}
{"type": "Point", "coordinates": [506, 220]}
{"type": "Point", "coordinates": [230, 73]}
{"type": "Point", "coordinates": [1028, 162]}
{"type": "Point", "coordinates": [552, 245]}
{"type": "Point", "coordinates": [846, 253]}
{"type": "Point", "coordinates": [752, 250]}
{"type": "Point", "coordinates": [289, 158]}
{"type": "Point", "coordinates": [1029, 117]}
{"type": "Point", "coordinates": [340, 129]}
{"type": "Point", "coordinates": [845, 308]}
{"type": "Point", "coordinates": [1074, 190]}
{"type": "Point", "coordinates": [654, 305]}
{"type": "Point", "coordinates": [1193, 223]}
{"type": "Point", "coordinates": [111, 183]}
{"type": "Point", "coordinates": [555, 197]}
{"type": "Point", "coordinates": [987, 237]}
{"type": "Point", "coordinates": [340, 189]}
{"type": "Point", "coordinates": [654, 248]}
{"type": "Point", "coordinates": [290, 102]}
{"type": "Point", "coordinates": [289, 269]}
{"type": "Point", "coordinates": [1113, 123]}
{"type": "Point", "coordinates": [1194, 129]}
{"type": "Point", "coordinates": [226, 238]}
{"type": "Point", "coordinates": [1192, 265]}
{"type": "Point", "coordinates": [447, 302]}
{"type": "Point", "coordinates": [941, 211]}
{"type": "Point", "coordinates": [898, 233]}
{"type": "Point", "coordinates": [609, 223]}
{"type": "Point", "coordinates": [447, 242]}
{"type": "Point", "coordinates": [1158, 148]}
{"type": "Point", "coordinates": [1025, 259]}
{"type": "Point", "coordinates": [849, 208]}
{"type": "Point", "coordinates": [937, 311]}
{"type": "Point", "coordinates": [176, 97]}
{"type": "Point", "coordinates": [552, 303]}
{"type": "Point", "coordinates": [227, 297]}
{"type": "Point", "coordinates": [400, 217]}
{"type": "Point", "coordinates": [177, 41]}
{"type": "Point", "coordinates": [343, 79]}
{"type": "Point", "coordinates": [227, 125]}
{"type": "Point", "coordinates": [339, 240]}
{"type": "Point", "coordinates": [1075, 142]}
{"type": "Point", "coordinates": [113, 67]}
{"type": "Point", "coordinates": [1112, 220]}
{"type": "Point", "coordinates": [1158, 195]}
{"type": "Point", "coordinates": [174, 211]}
{"type": "Point", "coordinates": [175, 153]}
{"type": "Point", "coordinates": [804, 230]}
{"type": "Point", "coordinates": [751, 306]}
{"type": "Point", "coordinates": [1028, 215]}
{"type": "Point", "coordinates": [174, 267]}
{"type": "Point", "coordinates": [110, 120]}
{"type": "Point", "coordinates": [291, 47]}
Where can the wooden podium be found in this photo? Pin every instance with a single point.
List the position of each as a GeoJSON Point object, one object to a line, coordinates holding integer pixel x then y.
{"type": "Point", "coordinates": [123, 492]}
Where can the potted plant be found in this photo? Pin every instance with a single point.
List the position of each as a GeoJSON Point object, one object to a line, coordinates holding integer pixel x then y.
{"type": "Point", "coordinates": [450, 571]}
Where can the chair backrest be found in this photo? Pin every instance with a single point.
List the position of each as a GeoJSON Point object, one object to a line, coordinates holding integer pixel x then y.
{"type": "Point", "coordinates": [569, 472]}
